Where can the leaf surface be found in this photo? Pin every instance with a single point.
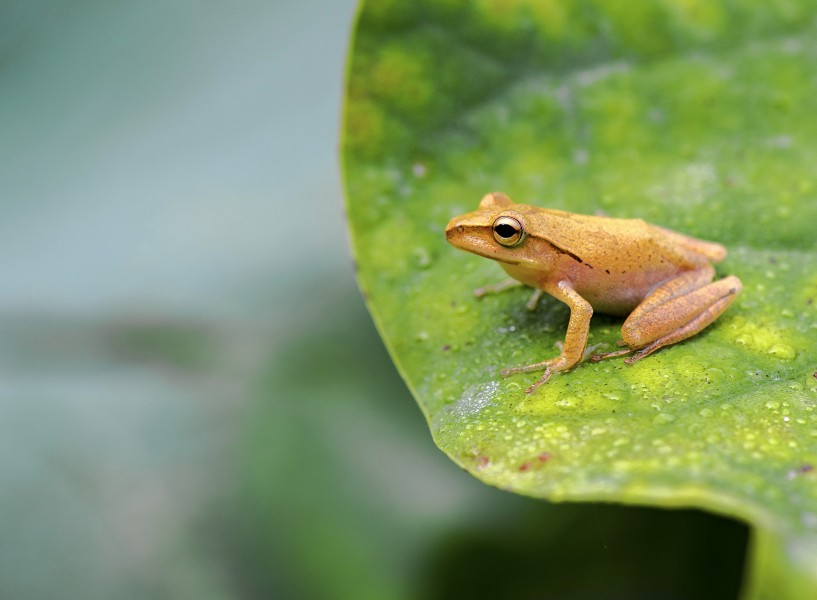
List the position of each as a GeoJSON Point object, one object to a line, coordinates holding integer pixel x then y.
{"type": "Point", "coordinates": [697, 116]}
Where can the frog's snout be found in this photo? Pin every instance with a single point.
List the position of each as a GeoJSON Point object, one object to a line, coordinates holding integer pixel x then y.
{"type": "Point", "coordinates": [452, 230]}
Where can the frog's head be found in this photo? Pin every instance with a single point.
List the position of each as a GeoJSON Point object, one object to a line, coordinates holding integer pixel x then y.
{"type": "Point", "coordinates": [497, 230]}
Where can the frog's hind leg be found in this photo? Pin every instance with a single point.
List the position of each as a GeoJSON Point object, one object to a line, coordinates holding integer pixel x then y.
{"type": "Point", "coordinates": [711, 250]}
{"type": "Point", "coordinates": [675, 311]}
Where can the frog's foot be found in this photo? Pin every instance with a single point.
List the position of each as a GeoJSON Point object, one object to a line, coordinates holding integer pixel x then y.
{"type": "Point", "coordinates": [645, 351]}
{"type": "Point", "coordinates": [545, 364]}
{"type": "Point", "coordinates": [606, 355]}
{"type": "Point", "coordinates": [542, 380]}
{"type": "Point", "coordinates": [497, 287]}
{"type": "Point", "coordinates": [527, 369]}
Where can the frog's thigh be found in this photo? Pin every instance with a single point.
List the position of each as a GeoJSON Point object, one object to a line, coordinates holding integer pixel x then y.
{"type": "Point", "coordinates": [679, 309]}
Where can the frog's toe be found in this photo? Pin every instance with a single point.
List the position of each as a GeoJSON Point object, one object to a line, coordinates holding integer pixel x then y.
{"type": "Point", "coordinates": [606, 355]}
{"type": "Point", "coordinates": [645, 351]}
{"type": "Point", "coordinates": [542, 380]}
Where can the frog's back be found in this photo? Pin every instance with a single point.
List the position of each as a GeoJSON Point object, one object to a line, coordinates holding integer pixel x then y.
{"type": "Point", "coordinates": [713, 251]}
{"type": "Point", "coordinates": [607, 241]}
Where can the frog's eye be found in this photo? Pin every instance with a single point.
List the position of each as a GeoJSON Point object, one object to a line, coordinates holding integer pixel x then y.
{"type": "Point", "coordinates": [508, 231]}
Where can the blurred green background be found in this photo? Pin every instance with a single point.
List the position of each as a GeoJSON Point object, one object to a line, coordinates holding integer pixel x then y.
{"type": "Point", "coordinates": [194, 402]}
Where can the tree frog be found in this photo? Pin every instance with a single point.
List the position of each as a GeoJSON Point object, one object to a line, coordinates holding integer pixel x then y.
{"type": "Point", "coordinates": [659, 279]}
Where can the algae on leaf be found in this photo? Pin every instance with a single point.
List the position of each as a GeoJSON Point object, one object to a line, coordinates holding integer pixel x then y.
{"type": "Point", "coordinates": [698, 116]}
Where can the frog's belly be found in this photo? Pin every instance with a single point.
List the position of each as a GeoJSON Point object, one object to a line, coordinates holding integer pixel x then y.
{"type": "Point", "coordinates": [623, 291]}
{"type": "Point", "coordinates": [618, 302]}
{"type": "Point", "coordinates": [608, 291]}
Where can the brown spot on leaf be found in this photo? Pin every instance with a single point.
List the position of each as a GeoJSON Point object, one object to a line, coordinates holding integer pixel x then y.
{"type": "Point", "coordinates": [801, 470]}
{"type": "Point", "coordinates": [537, 463]}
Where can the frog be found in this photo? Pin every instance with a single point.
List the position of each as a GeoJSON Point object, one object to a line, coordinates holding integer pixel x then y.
{"type": "Point", "coordinates": [660, 281]}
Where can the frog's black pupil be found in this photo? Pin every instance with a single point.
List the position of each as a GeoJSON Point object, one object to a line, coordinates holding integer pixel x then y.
{"type": "Point", "coordinates": [505, 231]}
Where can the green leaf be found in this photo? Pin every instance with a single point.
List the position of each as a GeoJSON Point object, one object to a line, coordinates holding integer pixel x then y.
{"type": "Point", "coordinates": [700, 116]}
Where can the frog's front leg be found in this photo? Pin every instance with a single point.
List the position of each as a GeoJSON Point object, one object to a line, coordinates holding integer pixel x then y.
{"type": "Point", "coordinates": [495, 288]}
{"type": "Point", "coordinates": [575, 339]}
{"type": "Point", "coordinates": [505, 284]}
{"type": "Point", "coordinates": [675, 311]}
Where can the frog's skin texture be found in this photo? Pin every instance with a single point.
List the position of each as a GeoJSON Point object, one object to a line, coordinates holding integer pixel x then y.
{"type": "Point", "coordinates": [659, 279]}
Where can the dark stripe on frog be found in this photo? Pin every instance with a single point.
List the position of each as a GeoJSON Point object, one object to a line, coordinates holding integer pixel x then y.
{"type": "Point", "coordinates": [569, 253]}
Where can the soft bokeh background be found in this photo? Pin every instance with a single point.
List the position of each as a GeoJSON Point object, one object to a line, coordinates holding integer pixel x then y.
{"type": "Point", "coordinates": [193, 401]}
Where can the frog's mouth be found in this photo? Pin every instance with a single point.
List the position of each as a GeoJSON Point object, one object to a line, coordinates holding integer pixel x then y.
{"type": "Point", "coordinates": [496, 257]}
